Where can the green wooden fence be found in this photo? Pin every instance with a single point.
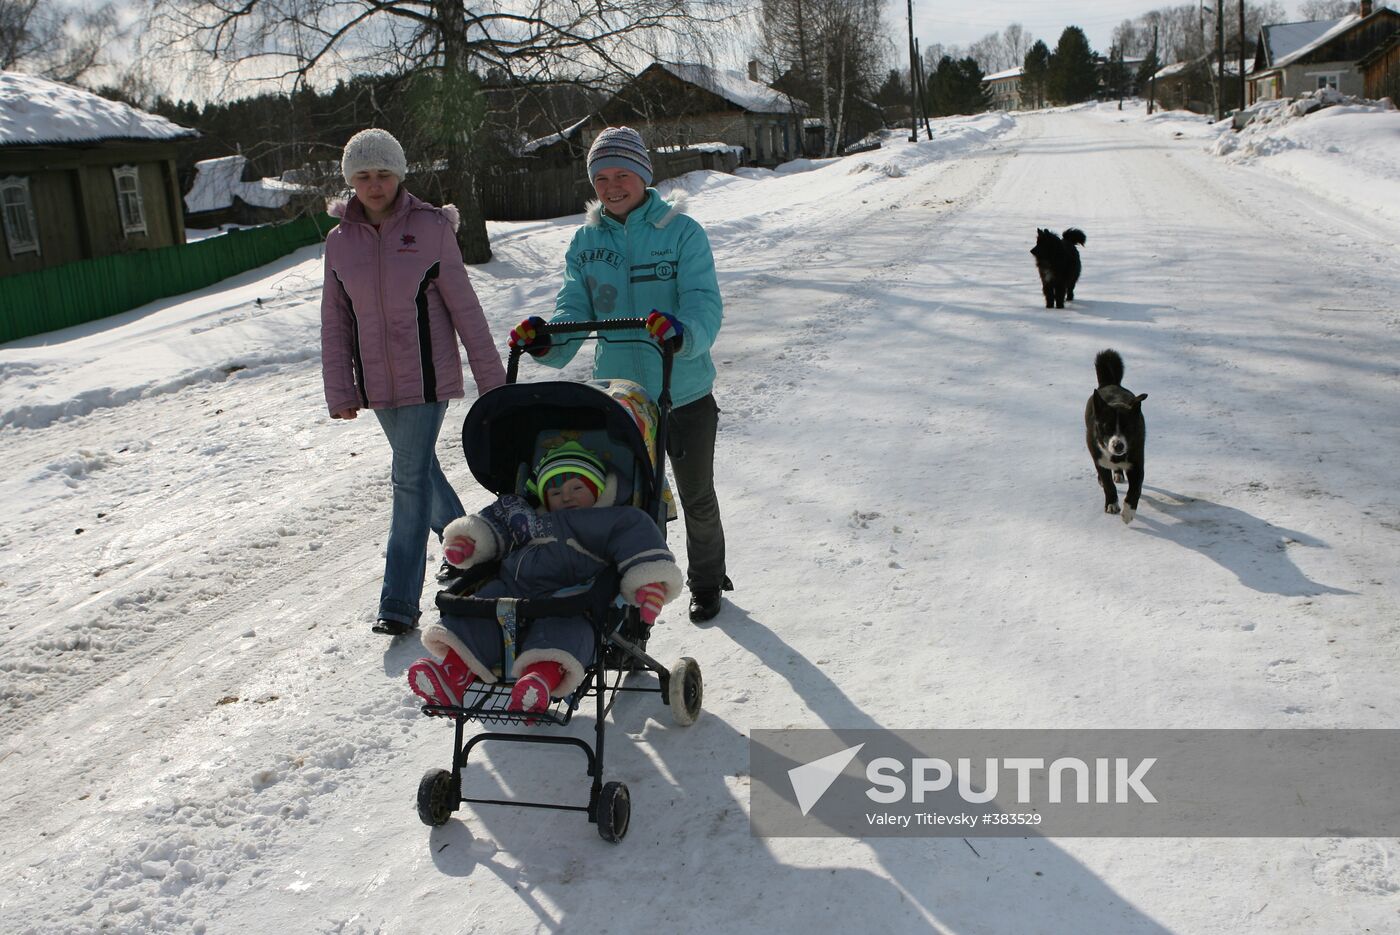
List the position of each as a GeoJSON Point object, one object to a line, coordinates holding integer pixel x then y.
{"type": "Point", "coordinates": [74, 293]}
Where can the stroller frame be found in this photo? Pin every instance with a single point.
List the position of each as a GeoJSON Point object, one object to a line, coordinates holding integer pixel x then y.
{"type": "Point", "coordinates": [620, 640]}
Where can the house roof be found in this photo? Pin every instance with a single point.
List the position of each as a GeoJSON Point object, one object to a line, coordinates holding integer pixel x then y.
{"type": "Point", "coordinates": [734, 87]}
{"type": "Point", "coordinates": [1289, 40]}
{"type": "Point", "coordinates": [1338, 27]}
{"type": "Point", "coordinates": [36, 112]}
{"type": "Point", "coordinates": [1009, 73]}
{"type": "Point", "coordinates": [567, 133]}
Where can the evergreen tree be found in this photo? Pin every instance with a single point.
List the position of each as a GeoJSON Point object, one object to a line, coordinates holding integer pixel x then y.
{"type": "Point", "coordinates": [1072, 75]}
{"type": "Point", "coordinates": [1035, 73]}
{"type": "Point", "coordinates": [956, 87]}
{"type": "Point", "coordinates": [894, 92]}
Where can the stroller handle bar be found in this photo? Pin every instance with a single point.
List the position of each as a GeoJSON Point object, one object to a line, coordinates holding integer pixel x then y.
{"type": "Point", "coordinates": [666, 349]}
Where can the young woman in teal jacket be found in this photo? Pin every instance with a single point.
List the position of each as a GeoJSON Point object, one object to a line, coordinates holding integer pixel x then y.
{"type": "Point", "coordinates": [638, 256]}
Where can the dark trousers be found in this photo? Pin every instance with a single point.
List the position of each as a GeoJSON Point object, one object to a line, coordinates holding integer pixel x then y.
{"type": "Point", "coordinates": [691, 444]}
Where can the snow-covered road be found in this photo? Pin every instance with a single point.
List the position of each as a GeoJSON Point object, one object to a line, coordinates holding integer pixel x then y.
{"type": "Point", "coordinates": [202, 735]}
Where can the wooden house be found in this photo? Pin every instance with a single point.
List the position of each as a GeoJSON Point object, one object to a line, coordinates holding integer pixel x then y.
{"type": "Point", "coordinates": [1293, 58]}
{"type": "Point", "coordinates": [676, 105]}
{"type": "Point", "coordinates": [1380, 70]}
{"type": "Point", "coordinates": [82, 176]}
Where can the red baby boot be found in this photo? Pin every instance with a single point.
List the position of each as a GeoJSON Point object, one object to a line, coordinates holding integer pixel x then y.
{"type": "Point", "coordinates": [441, 683]}
{"type": "Point", "coordinates": [534, 687]}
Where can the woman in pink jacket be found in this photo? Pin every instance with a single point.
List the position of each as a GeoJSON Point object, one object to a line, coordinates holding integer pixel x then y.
{"type": "Point", "coordinates": [395, 300]}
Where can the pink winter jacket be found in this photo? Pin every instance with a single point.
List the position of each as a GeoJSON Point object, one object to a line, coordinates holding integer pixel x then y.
{"type": "Point", "coordinates": [394, 302]}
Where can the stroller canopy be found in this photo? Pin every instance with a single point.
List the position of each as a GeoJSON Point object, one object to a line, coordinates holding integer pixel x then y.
{"type": "Point", "coordinates": [507, 428]}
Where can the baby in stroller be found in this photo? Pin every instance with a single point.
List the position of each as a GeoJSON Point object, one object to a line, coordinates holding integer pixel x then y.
{"type": "Point", "coordinates": [550, 550]}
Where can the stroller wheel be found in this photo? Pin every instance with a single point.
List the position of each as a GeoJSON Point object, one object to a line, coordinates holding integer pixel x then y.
{"type": "Point", "coordinates": [435, 803]}
{"type": "Point", "coordinates": [614, 811]}
{"type": "Point", "coordinates": [687, 691]}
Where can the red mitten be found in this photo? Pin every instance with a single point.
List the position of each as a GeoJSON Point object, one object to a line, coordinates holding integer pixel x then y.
{"type": "Point", "coordinates": [650, 597]}
{"type": "Point", "coordinates": [457, 550]}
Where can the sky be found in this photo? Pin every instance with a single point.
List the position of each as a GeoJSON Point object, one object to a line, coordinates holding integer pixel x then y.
{"type": "Point", "coordinates": [201, 734]}
{"type": "Point", "coordinates": [962, 24]}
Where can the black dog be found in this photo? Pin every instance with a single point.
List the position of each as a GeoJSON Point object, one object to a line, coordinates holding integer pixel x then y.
{"type": "Point", "coordinates": [1057, 261]}
{"type": "Point", "coordinates": [1116, 433]}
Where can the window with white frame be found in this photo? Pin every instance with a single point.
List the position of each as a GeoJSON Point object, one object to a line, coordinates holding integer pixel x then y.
{"type": "Point", "coordinates": [21, 233]}
{"type": "Point", "coordinates": [1328, 80]}
{"type": "Point", "coordinates": [129, 207]}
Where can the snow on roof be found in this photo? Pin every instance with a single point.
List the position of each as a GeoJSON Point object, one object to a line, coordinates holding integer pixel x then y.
{"type": "Point", "coordinates": [713, 147]}
{"type": "Point", "coordinates": [1175, 68]}
{"type": "Point", "coordinates": [735, 87]}
{"type": "Point", "coordinates": [216, 181]}
{"type": "Point", "coordinates": [1287, 41]}
{"type": "Point", "coordinates": [35, 111]}
{"type": "Point", "coordinates": [543, 141]}
{"type": "Point", "coordinates": [1009, 73]}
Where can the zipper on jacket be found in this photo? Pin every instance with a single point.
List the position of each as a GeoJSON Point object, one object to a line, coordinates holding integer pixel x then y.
{"type": "Point", "coordinates": [384, 310]}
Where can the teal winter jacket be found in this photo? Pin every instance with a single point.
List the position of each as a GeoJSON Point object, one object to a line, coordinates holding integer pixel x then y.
{"type": "Point", "coordinates": [660, 259]}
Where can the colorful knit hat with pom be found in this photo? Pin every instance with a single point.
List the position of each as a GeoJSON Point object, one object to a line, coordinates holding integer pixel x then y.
{"type": "Point", "coordinates": [567, 459]}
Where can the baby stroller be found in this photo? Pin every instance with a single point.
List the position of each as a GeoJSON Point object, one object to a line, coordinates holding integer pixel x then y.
{"type": "Point", "coordinates": [504, 434]}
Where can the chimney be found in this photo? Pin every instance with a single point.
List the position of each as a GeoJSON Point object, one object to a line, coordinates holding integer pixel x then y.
{"type": "Point", "coordinates": [753, 62]}
{"type": "Point", "coordinates": [1365, 8]}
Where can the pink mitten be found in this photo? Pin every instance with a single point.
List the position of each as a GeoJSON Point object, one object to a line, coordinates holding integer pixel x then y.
{"type": "Point", "coordinates": [650, 597]}
{"type": "Point", "coordinates": [458, 550]}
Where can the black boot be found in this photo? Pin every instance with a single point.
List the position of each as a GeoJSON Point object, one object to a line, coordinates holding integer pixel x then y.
{"type": "Point", "coordinates": [393, 627]}
{"type": "Point", "coordinates": [705, 602]}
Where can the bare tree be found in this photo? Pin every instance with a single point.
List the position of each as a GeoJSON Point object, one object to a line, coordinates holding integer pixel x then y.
{"type": "Point", "coordinates": [831, 53]}
{"type": "Point", "coordinates": [445, 46]}
{"type": "Point", "coordinates": [1331, 9]}
{"type": "Point", "coordinates": [1016, 42]}
{"type": "Point", "coordinates": [53, 41]}
{"type": "Point", "coordinates": [996, 52]}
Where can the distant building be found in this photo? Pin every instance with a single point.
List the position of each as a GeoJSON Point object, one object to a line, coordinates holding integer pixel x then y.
{"type": "Point", "coordinates": [1380, 70]}
{"type": "Point", "coordinates": [82, 176]}
{"type": "Point", "coordinates": [676, 104]}
{"type": "Point", "coordinates": [1004, 88]}
{"type": "Point", "coordinates": [1293, 58]}
{"type": "Point", "coordinates": [220, 195]}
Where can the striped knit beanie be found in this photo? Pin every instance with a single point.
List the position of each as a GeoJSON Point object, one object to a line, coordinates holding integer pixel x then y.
{"type": "Point", "coordinates": [569, 459]}
{"type": "Point", "coordinates": [619, 148]}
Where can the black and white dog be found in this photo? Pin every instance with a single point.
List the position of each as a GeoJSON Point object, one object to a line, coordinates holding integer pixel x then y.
{"type": "Point", "coordinates": [1057, 261]}
{"type": "Point", "coordinates": [1116, 434]}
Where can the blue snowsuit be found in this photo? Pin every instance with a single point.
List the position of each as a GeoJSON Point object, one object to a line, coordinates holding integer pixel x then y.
{"type": "Point", "coordinates": [545, 555]}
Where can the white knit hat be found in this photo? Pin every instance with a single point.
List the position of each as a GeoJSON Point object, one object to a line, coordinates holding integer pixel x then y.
{"type": "Point", "coordinates": [619, 148]}
{"type": "Point", "coordinates": [373, 149]}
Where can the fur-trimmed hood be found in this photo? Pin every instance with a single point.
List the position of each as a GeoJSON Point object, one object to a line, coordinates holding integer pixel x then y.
{"type": "Point", "coordinates": [656, 211]}
{"type": "Point", "coordinates": [347, 207]}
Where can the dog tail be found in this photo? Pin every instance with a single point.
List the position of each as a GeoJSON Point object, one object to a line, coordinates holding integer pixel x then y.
{"type": "Point", "coordinates": [1075, 235]}
{"type": "Point", "coordinates": [1109, 366]}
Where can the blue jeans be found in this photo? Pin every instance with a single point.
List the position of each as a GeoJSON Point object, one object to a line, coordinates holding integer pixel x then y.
{"type": "Point", "coordinates": [423, 500]}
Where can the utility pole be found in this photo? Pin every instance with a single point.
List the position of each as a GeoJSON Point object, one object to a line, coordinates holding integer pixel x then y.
{"type": "Point", "coordinates": [913, 80]}
{"type": "Point", "coordinates": [923, 92]}
{"type": "Point", "coordinates": [1152, 81]}
{"type": "Point", "coordinates": [1219, 57]}
{"type": "Point", "coordinates": [1242, 91]}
